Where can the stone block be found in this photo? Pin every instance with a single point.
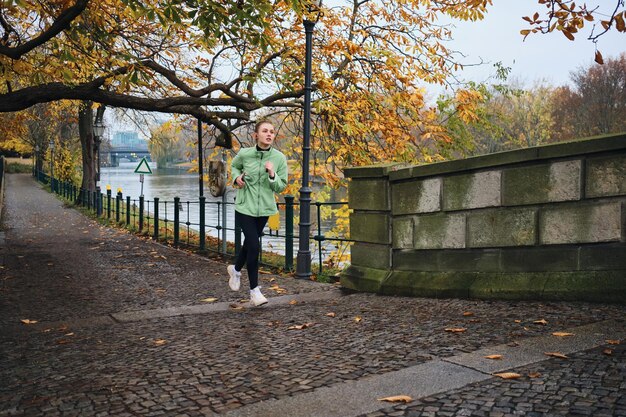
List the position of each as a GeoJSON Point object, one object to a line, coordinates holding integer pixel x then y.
{"type": "Point", "coordinates": [469, 260]}
{"type": "Point", "coordinates": [597, 286]}
{"type": "Point", "coordinates": [477, 260]}
{"type": "Point", "coordinates": [402, 233]}
{"type": "Point", "coordinates": [606, 176]}
{"type": "Point", "coordinates": [439, 231]}
{"type": "Point", "coordinates": [363, 279]}
{"type": "Point", "coordinates": [370, 227]}
{"type": "Point", "coordinates": [580, 223]}
{"type": "Point", "coordinates": [508, 286]}
{"type": "Point", "coordinates": [539, 259]}
{"type": "Point", "coordinates": [417, 196]}
{"type": "Point", "coordinates": [428, 284]}
{"type": "Point", "coordinates": [558, 181]}
{"type": "Point", "coordinates": [370, 255]}
{"type": "Point", "coordinates": [611, 256]}
{"type": "Point", "coordinates": [415, 260]}
{"type": "Point", "coordinates": [468, 191]}
{"type": "Point", "coordinates": [368, 194]}
{"type": "Point", "coordinates": [501, 227]}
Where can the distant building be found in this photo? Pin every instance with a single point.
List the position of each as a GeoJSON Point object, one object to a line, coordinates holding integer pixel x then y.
{"type": "Point", "coordinates": [128, 139]}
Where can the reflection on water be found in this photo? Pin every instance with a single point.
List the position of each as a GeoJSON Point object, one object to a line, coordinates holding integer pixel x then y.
{"type": "Point", "coordinates": [167, 184]}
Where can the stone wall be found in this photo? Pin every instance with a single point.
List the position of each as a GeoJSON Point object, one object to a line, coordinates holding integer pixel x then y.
{"type": "Point", "coordinates": [539, 223]}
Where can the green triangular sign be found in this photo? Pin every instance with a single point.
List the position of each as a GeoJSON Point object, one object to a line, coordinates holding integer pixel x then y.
{"type": "Point", "coordinates": [143, 167]}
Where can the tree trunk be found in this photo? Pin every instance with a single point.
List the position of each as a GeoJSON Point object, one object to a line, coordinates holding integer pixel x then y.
{"type": "Point", "coordinates": [85, 132]}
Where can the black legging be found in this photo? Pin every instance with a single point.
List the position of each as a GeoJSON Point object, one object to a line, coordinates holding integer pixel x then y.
{"type": "Point", "coordinates": [252, 228]}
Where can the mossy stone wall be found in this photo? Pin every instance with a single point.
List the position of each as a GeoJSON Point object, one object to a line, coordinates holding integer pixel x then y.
{"type": "Point", "coordinates": [538, 223]}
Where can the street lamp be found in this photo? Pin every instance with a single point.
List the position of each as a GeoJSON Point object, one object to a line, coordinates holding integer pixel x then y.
{"type": "Point", "coordinates": [36, 160]}
{"type": "Point", "coordinates": [303, 260]}
{"type": "Point", "coordinates": [51, 165]}
{"type": "Point", "coordinates": [98, 132]}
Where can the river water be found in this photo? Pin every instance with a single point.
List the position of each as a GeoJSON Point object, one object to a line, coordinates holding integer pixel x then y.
{"type": "Point", "coordinates": [170, 183]}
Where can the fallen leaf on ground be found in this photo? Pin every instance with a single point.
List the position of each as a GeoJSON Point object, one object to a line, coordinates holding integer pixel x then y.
{"type": "Point", "coordinates": [209, 300]}
{"type": "Point", "coordinates": [331, 314]}
{"type": "Point", "coordinates": [493, 356]}
{"type": "Point", "coordinates": [534, 375]}
{"type": "Point", "coordinates": [236, 306]}
{"type": "Point", "coordinates": [562, 334]}
{"type": "Point", "coordinates": [358, 319]}
{"type": "Point", "coordinates": [542, 322]}
{"type": "Point", "coordinates": [397, 399]}
{"type": "Point", "coordinates": [277, 289]}
{"type": "Point", "coordinates": [608, 352]}
{"type": "Point", "coordinates": [508, 375]}
{"type": "Point", "coordinates": [293, 302]}
{"type": "Point", "coordinates": [468, 313]}
{"type": "Point", "coordinates": [300, 326]}
{"type": "Point", "coordinates": [517, 321]}
{"type": "Point", "coordinates": [555, 355]}
{"type": "Point", "coordinates": [613, 342]}
{"type": "Point", "coordinates": [455, 329]}
{"type": "Point", "coordinates": [160, 342]}
{"type": "Point", "coordinates": [28, 321]}
{"type": "Point", "coordinates": [70, 334]}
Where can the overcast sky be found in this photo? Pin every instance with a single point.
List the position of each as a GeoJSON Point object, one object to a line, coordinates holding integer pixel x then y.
{"type": "Point", "coordinates": [551, 57]}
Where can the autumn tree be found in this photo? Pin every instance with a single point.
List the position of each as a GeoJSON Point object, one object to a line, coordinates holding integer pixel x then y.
{"type": "Point", "coordinates": [509, 116]}
{"type": "Point", "coordinates": [223, 61]}
{"type": "Point", "coordinates": [595, 104]}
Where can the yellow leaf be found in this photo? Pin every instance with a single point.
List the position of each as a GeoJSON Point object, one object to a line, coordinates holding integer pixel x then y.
{"type": "Point", "coordinates": [608, 352]}
{"type": "Point", "coordinates": [160, 342]}
{"type": "Point", "coordinates": [542, 321]}
{"type": "Point", "coordinates": [613, 342]}
{"type": "Point", "coordinates": [358, 319]}
{"type": "Point", "coordinates": [300, 326]}
{"type": "Point", "coordinates": [562, 334]}
{"type": "Point", "coordinates": [555, 355]}
{"type": "Point", "coordinates": [508, 375]}
{"type": "Point", "coordinates": [455, 329]}
{"type": "Point", "coordinates": [27, 321]}
{"type": "Point", "coordinates": [209, 300]}
{"type": "Point", "coordinates": [293, 302]}
{"type": "Point", "coordinates": [397, 399]}
{"type": "Point", "coordinates": [493, 356]}
{"type": "Point", "coordinates": [468, 313]}
{"type": "Point", "coordinates": [331, 314]}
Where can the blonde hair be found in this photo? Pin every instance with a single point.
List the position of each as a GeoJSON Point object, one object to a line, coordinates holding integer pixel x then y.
{"type": "Point", "coordinates": [261, 122]}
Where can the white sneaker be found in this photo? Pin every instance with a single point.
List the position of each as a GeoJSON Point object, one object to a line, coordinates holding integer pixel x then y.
{"type": "Point", "coordinates": [235, 278]}
{"type": "Point", "coordinates": [256, 298]}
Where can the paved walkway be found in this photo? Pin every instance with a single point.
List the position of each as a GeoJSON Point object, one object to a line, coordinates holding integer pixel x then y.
{"type": "Point", "coordinates": [122, 330]}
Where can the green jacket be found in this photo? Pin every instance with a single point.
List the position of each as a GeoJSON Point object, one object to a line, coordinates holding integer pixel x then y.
{"type": "Point", "coordinates": [256, 198]}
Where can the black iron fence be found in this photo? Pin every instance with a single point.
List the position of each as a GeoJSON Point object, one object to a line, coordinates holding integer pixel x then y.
{"type": "Point", "coordinates": [170, 221]}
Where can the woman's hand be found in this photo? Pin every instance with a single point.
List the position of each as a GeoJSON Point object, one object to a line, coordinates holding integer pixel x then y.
{"type": "Point", "coordinates": [269, 167]}
{"type": "Point", "coordinates": [240, 180]}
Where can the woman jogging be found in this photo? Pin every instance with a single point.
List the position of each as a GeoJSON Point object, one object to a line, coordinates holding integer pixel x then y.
{"type": "Point", "coordinates": [258, 172]}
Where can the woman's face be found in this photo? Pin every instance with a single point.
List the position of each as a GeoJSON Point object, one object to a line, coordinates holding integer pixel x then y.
{"type": "Point", "coordinates": [265, 135]}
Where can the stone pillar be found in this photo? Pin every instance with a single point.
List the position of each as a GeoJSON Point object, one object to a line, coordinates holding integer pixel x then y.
{"type": "Point", "coordinates": [369, 196]}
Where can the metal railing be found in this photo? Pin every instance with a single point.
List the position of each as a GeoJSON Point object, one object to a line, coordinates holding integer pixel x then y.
{"type": "Point", "coordinates": [170, 221]}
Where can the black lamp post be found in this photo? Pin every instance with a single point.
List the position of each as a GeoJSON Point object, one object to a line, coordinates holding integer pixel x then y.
{"type": "Point", "coordinates": [51, 165]}
{"type": "Point", "coordinates": [303, 260]}
{"type": "Point", "coordinates": [98, 132]}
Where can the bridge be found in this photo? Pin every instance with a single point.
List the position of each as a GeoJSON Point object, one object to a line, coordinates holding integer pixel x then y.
{"type": "Point", "coordinates": [111, 156]}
